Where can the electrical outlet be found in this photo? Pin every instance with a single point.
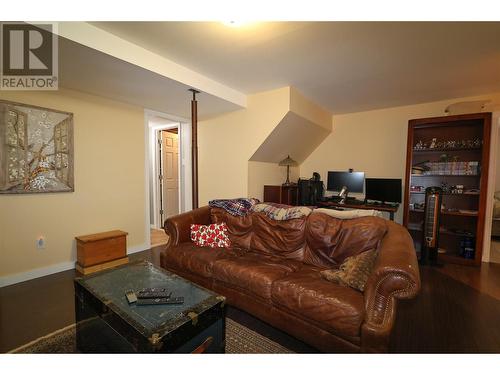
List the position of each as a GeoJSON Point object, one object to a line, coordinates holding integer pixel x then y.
{"type": "Point", "coordinates": [40, 243]}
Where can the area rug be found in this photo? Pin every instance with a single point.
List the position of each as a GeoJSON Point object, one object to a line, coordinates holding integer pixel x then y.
{"type": "Point", "coordinates": [239, 340]}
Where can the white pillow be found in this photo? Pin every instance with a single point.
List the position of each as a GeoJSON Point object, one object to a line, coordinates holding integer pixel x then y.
{"type": "Point", "coordinates": [348, 214]}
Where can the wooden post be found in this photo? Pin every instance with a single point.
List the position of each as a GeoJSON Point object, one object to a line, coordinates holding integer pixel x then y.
{"type": "Point", "coordinates": [194, 146]}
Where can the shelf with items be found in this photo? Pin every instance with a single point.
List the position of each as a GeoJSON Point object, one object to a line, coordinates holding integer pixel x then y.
{"type": "Point", "coordinates": [451, 247]}
{"type": "Point", "coordinates": [450, 232]}
{"type": "Point", "coordinates": [441, 150]}
{"type": "Point", "coordinates": [441, 142]}
{"type": "Point", "coordinates": [466, 194]}
{"type": "Point", "coordinates": [453, 213]}
{"type": "Point", "coordinates": [452, 153]}
{"type": "Point", "coordinates": [447, 167]}
{"type": "Point", "coordinates": [445, 175]}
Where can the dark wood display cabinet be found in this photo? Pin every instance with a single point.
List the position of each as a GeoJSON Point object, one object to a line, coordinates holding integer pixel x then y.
{"type": "Point", "coordinates": [283, 194]}
{"type": "Point", "coordinates": [450, 152]}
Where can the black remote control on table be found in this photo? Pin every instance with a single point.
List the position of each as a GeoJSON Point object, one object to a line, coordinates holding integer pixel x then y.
{"type": "Point", "coordinates": [153, 293]}
{"type": "Point", "coordinates": [161, 301]}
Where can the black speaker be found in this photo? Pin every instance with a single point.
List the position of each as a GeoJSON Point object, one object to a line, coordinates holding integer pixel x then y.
{"type": "Point", "coordinates": [432, 214]}
{"type": "Point", "coordinates": [310, 192]}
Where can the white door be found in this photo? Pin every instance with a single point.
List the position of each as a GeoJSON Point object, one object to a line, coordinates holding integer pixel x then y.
{"type": "Point", "coordinates": [170, 174]}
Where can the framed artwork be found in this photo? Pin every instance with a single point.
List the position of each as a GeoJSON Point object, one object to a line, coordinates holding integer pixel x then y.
{"type": "Point", "coordinates": [36, 149]}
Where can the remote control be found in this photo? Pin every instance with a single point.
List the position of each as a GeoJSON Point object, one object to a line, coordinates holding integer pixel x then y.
{"type": "Point", "coordinates": [175, 301]}
{"type": "Point", "coordinates": [152, 290]}
{"type": "Point", "coordinates": [153, 293]}
{"type": "Point", "coordinates": [161, 301]}
{"type": "Point", "coordinates": [131, 297]}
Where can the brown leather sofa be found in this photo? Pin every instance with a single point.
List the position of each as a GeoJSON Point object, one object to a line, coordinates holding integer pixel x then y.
{"type": "Point", "coordinates": [272, 271]}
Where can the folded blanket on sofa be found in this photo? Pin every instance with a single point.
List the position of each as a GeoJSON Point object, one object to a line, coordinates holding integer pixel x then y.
{"type": "Point", "coordinates": [235, 207]}
{"type": "Point", "coordinates": [348, 214]}
{"type": "Point", "coordinates": [281, 212]}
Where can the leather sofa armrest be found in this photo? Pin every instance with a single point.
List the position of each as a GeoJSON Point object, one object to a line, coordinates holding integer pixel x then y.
{"type": "Point", "coordinates": [395, 276]}
{"type": "Point", "coordinates": [178, 227]}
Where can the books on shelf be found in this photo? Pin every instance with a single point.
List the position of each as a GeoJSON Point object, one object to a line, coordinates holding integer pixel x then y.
{"type": "Point", "coordinates": [455, 168]}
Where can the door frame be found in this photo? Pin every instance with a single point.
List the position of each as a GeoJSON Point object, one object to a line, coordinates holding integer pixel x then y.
{"type": "Point", "coordinates": [492, 172]}
{"type": "Point", "coordinates": [150, 171]}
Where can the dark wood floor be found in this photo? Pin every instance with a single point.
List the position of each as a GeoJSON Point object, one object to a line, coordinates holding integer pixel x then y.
{"type": "Point", "coordinates": [447, 316]}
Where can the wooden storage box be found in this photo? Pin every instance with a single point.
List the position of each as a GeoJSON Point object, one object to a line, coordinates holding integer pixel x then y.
{"type": "Point", "coordinates": [99, 251]}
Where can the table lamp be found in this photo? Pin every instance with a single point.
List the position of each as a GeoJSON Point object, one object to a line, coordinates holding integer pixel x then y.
{"type": "Point", "coordinates": [288, 162]}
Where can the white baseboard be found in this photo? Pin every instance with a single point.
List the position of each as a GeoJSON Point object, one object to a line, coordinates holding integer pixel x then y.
{"type": "Point", "coordinates": [136, 249]}
{"type": "Point", "coordinates": [55, 268]}
{"type": "Point", "coordinates": [36, 273]}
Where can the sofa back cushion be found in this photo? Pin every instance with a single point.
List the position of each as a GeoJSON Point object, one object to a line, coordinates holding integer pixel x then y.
{"type": "Point", "coordinates": [239, 227]}
{"type": "Point", "coordinates": [278, 237]}
{"type": "Point", "coordinates": [329, 241]}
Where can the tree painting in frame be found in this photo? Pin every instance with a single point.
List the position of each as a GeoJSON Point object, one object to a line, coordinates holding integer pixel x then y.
{"type": "Point", "coordinates": [36, 149]}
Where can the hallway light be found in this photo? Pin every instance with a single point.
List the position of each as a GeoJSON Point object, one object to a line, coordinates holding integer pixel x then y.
{"type": "Point", "coordinates": [236, 23]}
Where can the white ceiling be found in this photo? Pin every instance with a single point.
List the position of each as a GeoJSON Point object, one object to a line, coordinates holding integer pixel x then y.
{"type": "Point", "coordinates": [85, 69]}
{"type": "Point", "coordinates": [343, 66]}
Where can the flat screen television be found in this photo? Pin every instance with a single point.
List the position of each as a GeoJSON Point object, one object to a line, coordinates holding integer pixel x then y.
{"type": "Point", "coordinates": [354, 181]}
{"type": "Point", "coordinates": [383, 189]}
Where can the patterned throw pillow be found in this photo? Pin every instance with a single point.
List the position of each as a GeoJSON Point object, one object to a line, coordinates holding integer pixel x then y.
{"type": "Point", "coordinates": [213, 235]}
{"type": "Point", "coordinates": [355, 270]}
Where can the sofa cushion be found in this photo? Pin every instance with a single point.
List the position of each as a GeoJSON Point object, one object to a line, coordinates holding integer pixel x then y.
{"type": "Point", "coordinates": [239, 227]}
{"type": "Point", "coordinates": [278, 237]}
{"type": "Point", "coordinates": [329, 241]}
{"type": "Point", "coordinates": [355, 270]}
{"type": "Point", "coordinates": [188, 257]}
{"type": "Point", "coordinates": [253, 273]}
{"type": "Point", "coordinates": [335, 308]}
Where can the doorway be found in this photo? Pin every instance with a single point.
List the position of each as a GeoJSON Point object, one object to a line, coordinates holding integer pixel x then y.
{"type": "Point", "coordinates": [169, 172]}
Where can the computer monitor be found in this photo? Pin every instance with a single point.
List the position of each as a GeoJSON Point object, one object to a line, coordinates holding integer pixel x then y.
{"type": "Point", "coordinates": [383, 189]}
{"type": "Point", "coordinates": [354, 181]}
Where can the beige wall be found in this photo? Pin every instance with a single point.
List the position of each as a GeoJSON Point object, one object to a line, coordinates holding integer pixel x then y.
{"type": "Point", "coordinates": [373, 141]}
{"type": "Point", "coordinates": [109, 185]}
{"type": "Point", "coordinates": [226, 143]}
{"type": "Point", "coordinates": [307, 109]}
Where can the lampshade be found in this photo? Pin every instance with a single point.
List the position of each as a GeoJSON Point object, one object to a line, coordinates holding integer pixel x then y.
{"type": "Point", "coordinates": [288, 161]}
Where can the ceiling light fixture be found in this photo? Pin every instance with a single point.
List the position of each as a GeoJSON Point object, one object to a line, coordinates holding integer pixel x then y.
{"type": "Point", "coordinates": [236, 23]}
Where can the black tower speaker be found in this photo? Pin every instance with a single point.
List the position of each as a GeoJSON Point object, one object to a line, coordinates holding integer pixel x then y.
{"type": "Point", "coordinates": [432, 213]}
{"type": "Point", "coordinates": [310, 192]}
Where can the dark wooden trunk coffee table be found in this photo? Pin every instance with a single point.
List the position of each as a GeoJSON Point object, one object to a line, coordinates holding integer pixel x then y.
{"type": "Point", "coordinates": [106, 323]}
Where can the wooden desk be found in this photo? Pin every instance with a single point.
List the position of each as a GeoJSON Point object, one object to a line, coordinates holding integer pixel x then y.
{"type": "Point", "coordinates": [378, 207]}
